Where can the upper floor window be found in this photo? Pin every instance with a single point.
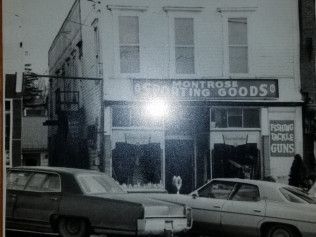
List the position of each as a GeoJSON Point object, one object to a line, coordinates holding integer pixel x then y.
{"type": "Point", "coordinates": [238, 45]}
{"type": "Point", "coordinates": [184, 45]}
{"type": "Point", "coordinates": [129, 44]}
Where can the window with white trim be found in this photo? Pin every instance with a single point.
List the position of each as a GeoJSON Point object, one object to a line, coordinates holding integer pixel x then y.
{"type": "Point", "coordinates": [184, 45]}
{"type": "Point", "coordinates": [129, 44]}
{"type": "Point", "coordinates": [238, 45]}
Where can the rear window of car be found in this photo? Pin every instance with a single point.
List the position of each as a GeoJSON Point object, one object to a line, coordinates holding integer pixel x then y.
{"type": "Point", "coordinates": [36, 182]}
{"type": "Point", "coordinates": [93, 184]}
{"type": "Point", "coordinates": [52, 183]}
{"type": "Point", "coordinates": [296, 196]}
{"type": "Point", "coordinates": [247, 192]}
{"type": "Point", "coordinates": [217, 189]}
{"type": "Point", "coordinates": [44, 182]}
{"type": "Point", "coordinates": [16, 180]}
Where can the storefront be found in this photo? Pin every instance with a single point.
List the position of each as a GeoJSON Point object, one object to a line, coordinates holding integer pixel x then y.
{"type": "Point", "coordinates": [202, 129]}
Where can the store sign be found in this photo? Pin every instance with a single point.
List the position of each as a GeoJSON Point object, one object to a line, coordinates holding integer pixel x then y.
{"type": "Point", "coordinates": [282, 140]}
{"type": "Point", "coordinates": [207, 89]}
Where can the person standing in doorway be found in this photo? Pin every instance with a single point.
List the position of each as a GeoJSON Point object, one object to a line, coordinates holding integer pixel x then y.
{"type": "Point", "coordinates": [298, 172]}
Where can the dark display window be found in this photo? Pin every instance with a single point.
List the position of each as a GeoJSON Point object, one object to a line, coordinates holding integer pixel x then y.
{"type": "Point", "coordinates": [137, 165]}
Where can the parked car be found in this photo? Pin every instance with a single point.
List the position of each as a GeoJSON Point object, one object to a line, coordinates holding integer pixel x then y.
{"type": "Point", "coordinates": [249, 208]}
{"type": "Point", "coordinates": [77, 202]}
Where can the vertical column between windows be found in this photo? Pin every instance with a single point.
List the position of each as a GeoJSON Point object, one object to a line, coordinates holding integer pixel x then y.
{"type": "Point", "coordinates": [97, 47]}
{"type": "Point", "coordinates": [129, 44]}
{"type": "Point", "coordinates": [184, 45]}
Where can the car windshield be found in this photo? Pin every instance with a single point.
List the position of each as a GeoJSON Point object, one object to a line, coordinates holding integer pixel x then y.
{"type": "Point", "coordinates": [295, 195]}
{"type": "Point", "coordinates": [93, 184]}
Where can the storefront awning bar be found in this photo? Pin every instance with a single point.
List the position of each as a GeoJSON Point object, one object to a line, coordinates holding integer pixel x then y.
{"type": "Point", "coordinates": [65, 77]}
{"type": "Point", "coordinates": [213, 103]}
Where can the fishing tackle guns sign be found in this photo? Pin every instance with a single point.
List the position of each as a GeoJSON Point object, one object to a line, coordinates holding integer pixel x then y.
{"type": "Point", "coordinates": [208, 89]}
{"type": "Point", "coordinates": [282, 139]}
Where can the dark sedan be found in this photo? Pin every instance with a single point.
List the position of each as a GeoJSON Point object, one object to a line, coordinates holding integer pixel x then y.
{"type": "Point", "coordinates": [75, 202]}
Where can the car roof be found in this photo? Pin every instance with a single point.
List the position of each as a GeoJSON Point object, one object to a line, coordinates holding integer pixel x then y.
{"type": "Point", "coordinates": [66, 170]}
{"type": "Point", "coordinates": [267, 189]}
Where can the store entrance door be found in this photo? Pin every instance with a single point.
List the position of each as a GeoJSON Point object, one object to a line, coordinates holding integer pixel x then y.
{"type": "Point", "coordinates": [242, 161]}
{"type": "Point", "coordinates": [180, 162]}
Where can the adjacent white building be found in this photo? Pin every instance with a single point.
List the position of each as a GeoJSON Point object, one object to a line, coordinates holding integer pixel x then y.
{"type": "Point", "coordinates": [224, 74]}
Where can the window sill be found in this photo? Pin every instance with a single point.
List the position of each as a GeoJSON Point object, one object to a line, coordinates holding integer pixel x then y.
{"type": "Point", "coordinates": [126, 8]}
{"type": "Point", "coordinates": [157, 128]}
{"type": "Point", "coordinates": [182, 9]}
{"type": "Point", "coordinates": [236, 9]}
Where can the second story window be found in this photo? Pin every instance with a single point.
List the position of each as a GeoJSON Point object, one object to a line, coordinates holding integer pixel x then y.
{"type": "Point", "coordinates": [129, 44]}
{"type": "Point", "coordinates": [184, 45]}
{"type": "Point", "coordinates": [238, 45]}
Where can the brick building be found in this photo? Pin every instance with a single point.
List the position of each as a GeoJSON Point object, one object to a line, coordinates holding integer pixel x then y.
{"type": "Point", "coordinates": [224, 74]}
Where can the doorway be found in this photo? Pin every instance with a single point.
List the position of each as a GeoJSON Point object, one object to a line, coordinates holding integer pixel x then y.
{"type": "Point", "coordinates": [180, 162]}
{"type": "Point", "coordinates": [31, 159]}
{"type": "Point", "coordinates": [242, 161]}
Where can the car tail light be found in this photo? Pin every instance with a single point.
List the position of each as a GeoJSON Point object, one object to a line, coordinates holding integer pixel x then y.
{"type": "Point", "coordinates": [189, 216]}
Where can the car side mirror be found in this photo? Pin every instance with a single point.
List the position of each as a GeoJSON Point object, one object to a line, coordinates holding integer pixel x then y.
{"type": "Point", "coordinates": [194, 195]}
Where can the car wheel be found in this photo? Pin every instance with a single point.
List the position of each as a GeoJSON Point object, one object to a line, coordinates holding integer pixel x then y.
{"type": "Point", "coordinates": [72, 227]}
{"type": "Point", "coordinates": [281, 231]}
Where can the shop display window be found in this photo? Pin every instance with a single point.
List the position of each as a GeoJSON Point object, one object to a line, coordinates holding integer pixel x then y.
{"type": "Point", "coordinates": [137, 165]}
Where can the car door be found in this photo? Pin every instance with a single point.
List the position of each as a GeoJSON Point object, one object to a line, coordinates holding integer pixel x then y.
{"type": "Point", "coordinates": [14, 188]}
{"type": "Point", "coordinates": [208, 204]}
{"type": "Point", "coordinates": [39, 200]}
{"type": "Point", "coordinates": [243, 211]}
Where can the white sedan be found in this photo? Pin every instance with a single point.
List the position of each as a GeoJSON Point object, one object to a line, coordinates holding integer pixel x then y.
{"type": "Point", "coordinates": [249, 208]}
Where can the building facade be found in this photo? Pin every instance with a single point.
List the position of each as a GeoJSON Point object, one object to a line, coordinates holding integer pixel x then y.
{"type": "Point", "coordinates": [197, 89]}
{"type": "Point", "coordinates": [13, 121]}
{"type": "Point", "coordinates": [34, 137]}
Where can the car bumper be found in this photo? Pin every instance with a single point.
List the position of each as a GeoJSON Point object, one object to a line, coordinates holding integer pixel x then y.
{"type": "Point", "coordinates": [159, 226]}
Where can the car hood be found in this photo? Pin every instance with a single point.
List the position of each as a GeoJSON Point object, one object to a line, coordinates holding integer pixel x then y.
{"type": "Point", "coordinates": [153, 207]}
